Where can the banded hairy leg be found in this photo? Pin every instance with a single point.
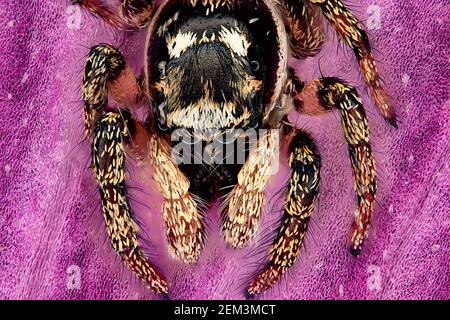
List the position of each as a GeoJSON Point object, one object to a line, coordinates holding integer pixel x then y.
{"type": "Point", "coordinates": [353, 34]}
{"type": "Point", "coordinates": [319, 96]}
{"type": "Point", "coordinates": [113, 131]}
{"type": "Point", "coordinates": [305, 26]}
{"type": "Point", "coordinates": [182, 218]}
{"type": "Point", "coordinates": [105, 72]}
{"type": "Point", "coordinates": [246, 201]}
{"type": "Point", "coordinates": [130, 14]}
{"type": "Point", "coordinates": [302, 192]}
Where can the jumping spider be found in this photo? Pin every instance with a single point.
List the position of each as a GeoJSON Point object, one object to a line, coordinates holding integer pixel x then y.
{"type": "Point", "coordinates": [221, 66]}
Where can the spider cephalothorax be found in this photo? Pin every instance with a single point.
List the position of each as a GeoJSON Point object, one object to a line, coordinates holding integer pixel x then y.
{"type": "Point", "coordinates": [213, 70]}
{"type": "Point", "coordinates": [208, 72]}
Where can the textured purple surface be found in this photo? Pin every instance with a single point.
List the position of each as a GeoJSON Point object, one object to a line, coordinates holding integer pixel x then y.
{"type": "Point", "coordinates": [49, 215]}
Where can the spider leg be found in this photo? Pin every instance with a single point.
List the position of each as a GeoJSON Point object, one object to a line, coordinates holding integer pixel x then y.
{"type": "Point", "coordinates": [182, 218]}
{"type": "Point", "coordinates": [353, 34]}
{"type": "Point", "coordinates": [130, 14]}
{"type": "Point", "coordinates": [323, 94]}
{"type": "Point", "coordinates": [302, 192]}
{"type": "Point", "coordinates": [106, 72]}
{"type": "Point", "coordinates": [305, 28]}
{"type": "Point", "coordinates": [113, 131]}
{"type": "Point", "coordinates": [245, 202]}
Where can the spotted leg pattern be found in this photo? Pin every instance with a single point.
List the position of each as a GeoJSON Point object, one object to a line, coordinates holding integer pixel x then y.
{"type": "Point", "coordinates": [323, 95]}
{"type": "Point", "coordinates": [112, 131]}
{"type": "Point", "coordinates": [106, 72]}
{"type": "Point", "coordinates": [182, 218]}
{"type": "Point", "coordinates": [246, 201]}
{"type": "Point", "coordinates": [306, 28]}
{"type": "Point", "coordinates": [302, 191]}
{"type": "Point", "coordinates": [353, 34]}
{"type": "Point", "coordinates": [130, 14]}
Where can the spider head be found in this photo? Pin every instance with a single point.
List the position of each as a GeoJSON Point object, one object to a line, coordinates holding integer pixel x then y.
{"type": "Point", "coordinates": [214, 71]}
{"type": "Point", "coordinates": [211, 80]}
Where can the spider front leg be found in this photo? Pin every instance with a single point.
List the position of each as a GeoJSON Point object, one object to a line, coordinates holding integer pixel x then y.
{"type": "Point", "coordinates": [106, 72]}
{"type": "Point", "coordinates": [183, 220]}
{"type": "Point", "coordinates": [113, 131]}
{"type": "Point", "coordinates": [246, 201]}
{"type": "Point", "coordinates": [302, 192]}
{"type": "Point", "coordinates": [353, 34]}
{"type": "Point", "coordinates": [322, 95]}
{"type": "Point", "coordinates": [130, 14]}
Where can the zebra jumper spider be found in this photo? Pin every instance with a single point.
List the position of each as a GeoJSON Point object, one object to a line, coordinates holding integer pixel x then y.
{"type": "Point", "coordinates": [214, 67]}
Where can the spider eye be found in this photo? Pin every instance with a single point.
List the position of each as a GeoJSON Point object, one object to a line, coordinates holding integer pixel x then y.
{"type": "Point", "coordinates": [254, 65]}
{"type": "Point", "coordinates": [162, 68]}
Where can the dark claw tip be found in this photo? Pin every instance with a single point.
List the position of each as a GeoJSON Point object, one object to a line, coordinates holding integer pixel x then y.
{"type": "Point", "coordinates": [393, 122]}
{"type": "Point", "coordinates": [248, 295]}
{"type": "Point", "coordinates": [355, 252]}
{"type": "Point", "coordinates": [164, 296]}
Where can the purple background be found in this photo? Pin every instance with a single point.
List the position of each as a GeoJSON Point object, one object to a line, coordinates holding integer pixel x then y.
{"type": "Point", "coordinates": [49, 214]}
